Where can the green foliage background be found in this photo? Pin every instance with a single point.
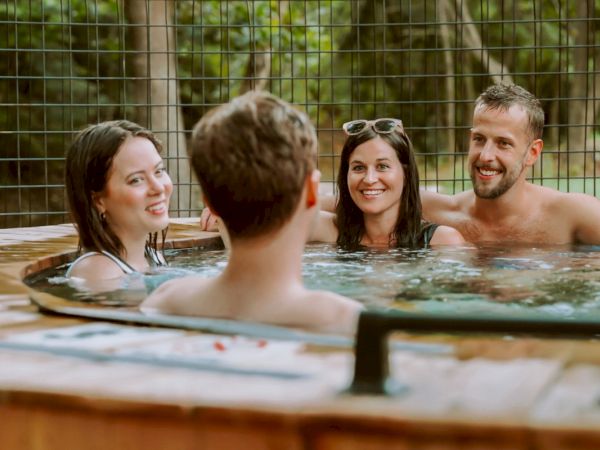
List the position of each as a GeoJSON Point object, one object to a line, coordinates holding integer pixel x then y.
{"type": "Point", "coordinates": [67, 63]}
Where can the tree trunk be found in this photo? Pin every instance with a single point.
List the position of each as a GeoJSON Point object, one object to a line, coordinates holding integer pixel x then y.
{"type": "Point", "coordinates": [136, 15]}
{"type": "Point", "coordinates": [498, 72]}
{"type": "Point", "coordinates": [445, 11]}
{"type": "Point", "coordinates": [581, 111]}
{"type": "Point", "coordinates": [257, 72]}
{"type": "Point", "coordinates": [155, 69]}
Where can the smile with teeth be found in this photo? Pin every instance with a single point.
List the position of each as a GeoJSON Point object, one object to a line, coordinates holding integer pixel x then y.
{"type": "Point", "coordinates": [488, 171]}
{"type": "Point", "coordinates": [157, 208]}
{"type": "Point", "coordinates": [372, 192]}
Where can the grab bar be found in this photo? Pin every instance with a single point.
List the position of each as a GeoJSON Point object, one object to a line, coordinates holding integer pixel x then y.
{"type": "Point", "coordinates": [371, 363]}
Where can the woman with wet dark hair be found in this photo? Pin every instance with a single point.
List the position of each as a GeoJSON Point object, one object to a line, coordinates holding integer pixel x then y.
{"type": "Point", "coordinates": [118, 191]}
{"type": "Point", "coordinates": [378, 185]}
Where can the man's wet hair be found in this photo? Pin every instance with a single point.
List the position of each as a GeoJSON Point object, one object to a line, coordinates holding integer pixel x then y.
{"type": "Point", "coordinates": [502, 96]}
{"type": "Point", "coordinates": [252, 157]}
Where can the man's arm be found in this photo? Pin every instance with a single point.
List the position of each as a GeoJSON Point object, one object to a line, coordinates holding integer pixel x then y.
{"type": "Point", "coordinates": [324, 229]}
{"type": "Point", "coordinates": [438, 207]}
{"type": "Point", "coordinates": [328, 202]}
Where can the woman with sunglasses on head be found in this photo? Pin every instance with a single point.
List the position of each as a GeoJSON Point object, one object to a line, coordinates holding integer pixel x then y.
{"type": "Point", "coordinates": [378, 186]}
{"type": "Point", "coordinates": [118, 191]}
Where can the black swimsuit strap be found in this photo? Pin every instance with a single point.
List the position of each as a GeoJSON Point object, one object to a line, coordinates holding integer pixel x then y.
{"type": "Point", "coordinates": [427, 231]}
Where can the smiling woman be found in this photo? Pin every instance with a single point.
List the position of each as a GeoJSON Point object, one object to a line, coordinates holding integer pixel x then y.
{"type": "Point", "coordinates": [378, 185]}
{"type": "Point", "coordinates": [118, 193]}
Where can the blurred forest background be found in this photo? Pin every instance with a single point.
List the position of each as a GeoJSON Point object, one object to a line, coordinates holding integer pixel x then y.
{"type": "Point", "coordinates": [68, 63]}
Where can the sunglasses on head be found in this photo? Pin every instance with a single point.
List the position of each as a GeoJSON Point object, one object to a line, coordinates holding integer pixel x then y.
{"type": "Point", "coordinates": [381, 126]}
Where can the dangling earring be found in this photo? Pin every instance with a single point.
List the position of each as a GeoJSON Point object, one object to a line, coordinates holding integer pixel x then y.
{"type": "Point", "coordinates": [103, 217]}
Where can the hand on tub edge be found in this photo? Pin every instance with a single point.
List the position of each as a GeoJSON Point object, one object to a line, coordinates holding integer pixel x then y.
{"type": "Point", "coordinates": [210, 222]}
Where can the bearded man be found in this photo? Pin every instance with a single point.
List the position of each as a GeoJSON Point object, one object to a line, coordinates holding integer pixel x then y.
{"type": "Point", "coordinates": [505, 141]}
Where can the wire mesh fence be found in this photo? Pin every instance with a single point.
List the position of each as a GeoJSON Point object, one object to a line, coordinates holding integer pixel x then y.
{"type": "Point", "coordinates": [68, 63]}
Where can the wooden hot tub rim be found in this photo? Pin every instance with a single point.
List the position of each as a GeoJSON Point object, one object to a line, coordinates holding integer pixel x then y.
{"type": "Point", "coordinates": [55, 260]}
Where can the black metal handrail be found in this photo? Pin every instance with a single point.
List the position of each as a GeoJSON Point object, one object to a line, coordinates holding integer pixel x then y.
{"type": "Point", "coordinates": [371, 365]}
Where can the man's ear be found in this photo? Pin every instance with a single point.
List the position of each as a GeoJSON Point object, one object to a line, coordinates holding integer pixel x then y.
{"type": "Point", "coordinates": [534, 151]}
{"type": "Point", "coordinates": [312, 188]}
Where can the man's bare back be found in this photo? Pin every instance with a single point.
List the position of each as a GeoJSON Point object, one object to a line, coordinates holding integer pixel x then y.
{"type": "Point", "coordinates": [278, 303]}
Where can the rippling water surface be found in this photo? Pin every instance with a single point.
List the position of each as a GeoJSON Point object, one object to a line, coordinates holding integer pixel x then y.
{"type": "Point", "coordinates": [562, 281]}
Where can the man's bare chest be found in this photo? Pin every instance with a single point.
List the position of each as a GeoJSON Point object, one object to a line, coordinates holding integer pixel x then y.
{"type": "Point", "coordinates": [535, 228]}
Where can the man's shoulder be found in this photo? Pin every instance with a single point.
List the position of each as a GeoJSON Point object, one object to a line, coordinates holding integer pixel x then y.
{"type": "Point", "coordinates": [338, 314]}
{"type": "Point", "coordinates": [463, 199]}
{"type": "Point", "coordinates": [578, 213]}
{"type": "Point", "coordinates": [584, 213]}
{"type": "Point", "coordinates": [564, 201]}
{"type": "Point", "coordinates": [170, 295]}
{"type": "Point", "coordinates": [328, 296]}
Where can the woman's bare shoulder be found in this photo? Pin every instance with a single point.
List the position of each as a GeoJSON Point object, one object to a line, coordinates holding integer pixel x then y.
{"type": "Point", "coordinates": [96, 267]}
{"type": "Point", "coordinates": [445, 235]}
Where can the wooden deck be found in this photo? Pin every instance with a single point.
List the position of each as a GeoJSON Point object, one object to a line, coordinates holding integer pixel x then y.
{"type": "Point", "coordinates": [67, 383]}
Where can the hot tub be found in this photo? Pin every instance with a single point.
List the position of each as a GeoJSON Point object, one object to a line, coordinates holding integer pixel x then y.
{"type": "Point", "coordinates": [69, 381]}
